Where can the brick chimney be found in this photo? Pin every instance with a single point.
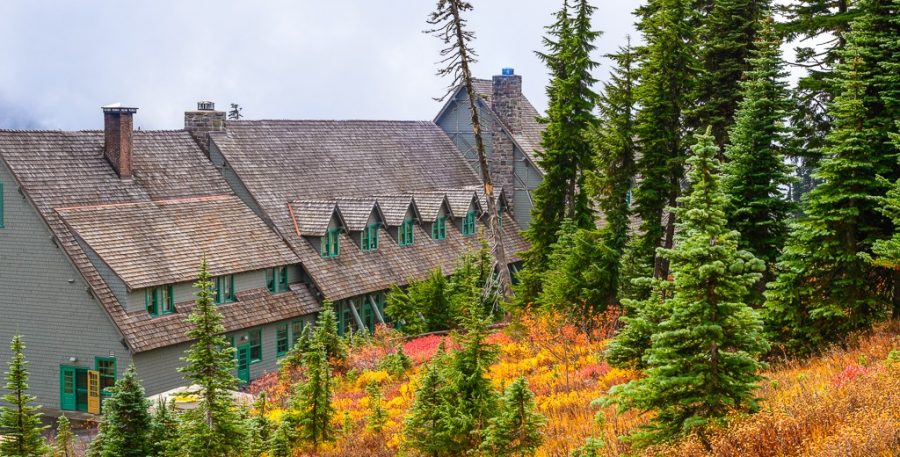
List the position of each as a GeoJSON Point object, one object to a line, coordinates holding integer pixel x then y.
{"type": "Point", "coordinates": [202, 121]}
{"type": "Point", "coordinates": [118, 142]}
{"type": "Point", "coordinates": [506, 102]}
{"type": "Point", "coordinates": [506, 97]}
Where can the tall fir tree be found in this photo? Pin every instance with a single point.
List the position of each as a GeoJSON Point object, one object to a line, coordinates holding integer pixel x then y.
{"type": "Point", "coordinates": [214, 428]}
{"type": "Point", "coordinates": [313, 399]}
{"type": "Point", "coordinates": [516, 430]}
{"type": "Point", "coordinates": [755, 172]}
{"type": "Point", "coordinates": [566, 155]}
{"type": "Point", "coordinates": [378, 415]}
{"type": "Point", "coordinates": [326, 334]}
{"type": "Point", "coordinates": [825, 287]}
{"type": "Point", "coordinates": [20, 419]}
{"type": "Point", "coordinates": [640, 323]}
{"type": "Point", "coordinates": [65, 439]}
{"type": "Point", "coordinates": [425, 428]}
{"type": "Point", "coordinates": [667, 76]}
{"type": "Point", "coordinates": [164, 430]}
{"type": "Point", "coordinates": [725, 42]}
{"type": "Point", "coordinates": [703, 357]}
{"type": "Point", "coordinates": [127, 422]}
{"type": "Point", "coordinates": [887, 252]}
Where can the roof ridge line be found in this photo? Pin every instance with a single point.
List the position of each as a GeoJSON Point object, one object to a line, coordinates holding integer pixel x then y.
{"type": "Point", "coordinates": [138, 202]}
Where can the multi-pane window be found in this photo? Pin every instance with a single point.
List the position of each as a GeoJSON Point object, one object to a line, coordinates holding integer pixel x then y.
{"type": "Point", "coordinates": [107, 368]}
{"type": "Point", "coordinates": [439, 228]}
{"type": "Point", "coordinates": [406, 232]}
{"type": "Point", "coordinates": [297, 329]}
{"type": "Point", "coordinates": [160, 300]}
{"type": "Point", "coordinates": [277, 279]}
{"type": "Point", "coordinates": [281, 340]}
{"type": "Point", "coordinates": [370, 238]}
{"type": "Point", "coordinates": [468, 228]}
{"type": "Point", "coordinates": [255, 339]}
{"type": "Point", "coordinates": [224, 289]}
{"type": "Point", "coordinates": [331, 243]}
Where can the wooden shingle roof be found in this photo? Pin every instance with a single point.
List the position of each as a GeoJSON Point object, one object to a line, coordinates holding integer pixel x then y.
{"type": "Point", "coordinates": [312, 217]}
{"type": "Point", "coordinates": [356, 211]}
{"type": "Point", "coordinates": [159, 242]}
{"type": "Point", "coordinates": [56, 170]}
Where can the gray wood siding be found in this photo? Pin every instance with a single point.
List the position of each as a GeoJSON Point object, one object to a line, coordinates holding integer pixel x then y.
{"type": "Point", "coordinates": [185, 291]}
{"type": "Point", "coordinates": [45, 299]}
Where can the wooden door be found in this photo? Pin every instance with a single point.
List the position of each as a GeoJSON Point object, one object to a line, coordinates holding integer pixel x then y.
{"type": "Point", "coordinates": [93, 391]}
{"type": "Point", "coordinates": [67, 399]}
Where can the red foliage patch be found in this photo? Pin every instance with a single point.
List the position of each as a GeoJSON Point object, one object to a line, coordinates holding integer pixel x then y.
{"type": "Point", "coordinates": [849, 374]}
{"type": "Point", "coordinates": [424, 348]}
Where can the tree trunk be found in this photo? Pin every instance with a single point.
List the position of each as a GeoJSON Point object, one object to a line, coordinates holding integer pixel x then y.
{"type": "Point", "coordinates": [495, 235]}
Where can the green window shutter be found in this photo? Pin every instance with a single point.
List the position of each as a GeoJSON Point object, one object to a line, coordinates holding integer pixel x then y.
{"type": "Point", "coordinates": [281, 340]}
{"type": "Point", "coordinates": [230, 297]}
{"type": "Point", "coordinates": [283, 279]}
{"type": "Point", "coordinates": [150, 301]}
{"type": "Point", "coordinates": [365, 239]}
{"type": "Point", "coordinates": [374, 228]}
{"type": "Point", "coordinates": [218, 299]}
{"type": "Point", "coordinates": [168, 300]}
{"type": "Point", "coordinates": [270, 279]}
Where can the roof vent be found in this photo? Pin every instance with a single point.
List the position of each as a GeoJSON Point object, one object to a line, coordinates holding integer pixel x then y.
{"type": "Point", "coordinates": [206, 105]}
{"type": "Point", "coordinates": [507, 71]}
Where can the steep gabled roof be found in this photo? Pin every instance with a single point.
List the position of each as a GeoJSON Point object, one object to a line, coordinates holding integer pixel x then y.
{"type": "Point", "coordinates": [312, 217]}
{"type": "Point", "coordinates": [356, 211]}
{"type": "Point", "coordinates": [161, 241]}
{"type": "Point", "coordinates": [430, 203]}
{"type": "Point", "coordinates": [462, 199]}
{"type": "Point", "coordinates": [57, 170]}
{"type": "Point", "coordinates": [395, 208]}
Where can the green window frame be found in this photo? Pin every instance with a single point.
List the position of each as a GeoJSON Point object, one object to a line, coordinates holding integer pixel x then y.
{"type": "Point", "coordinates": [406, 233]}
{"type": "Point", "coordinates": [370, 238]}
{"type": "Point", "coordinates": [277, 279]}
{"type": "Point", "coordinates": [107, 367]}
{"type": "Point", "coordinates": [160, 300]}
{"type": "Point", "coordinates": [281, 340]}
{"type": "Point", "coordinates": [224, 289]}
{"type": "Point", "coordinates": [468, 228]}
{"type": "Point", "coordinates": [439, 228]}
{"type": "Point", "coordinates": [254, 338]}
{"type": "Point", "coordinates": [331, 243]}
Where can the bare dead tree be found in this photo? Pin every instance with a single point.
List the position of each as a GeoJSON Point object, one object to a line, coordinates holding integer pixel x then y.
{"type": "Point", "coordinates": [449, 27]}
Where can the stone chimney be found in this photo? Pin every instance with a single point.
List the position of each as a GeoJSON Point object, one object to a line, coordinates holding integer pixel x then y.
{"type": "Point", "coordinates": [506, 102]}
{"type": "Point", "coordinates": [118, 142]}
{"type": "Point", "coordinates": [202, 121]}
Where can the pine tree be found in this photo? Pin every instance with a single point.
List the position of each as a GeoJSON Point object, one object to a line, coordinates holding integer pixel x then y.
{"type": "Point", "coordinates": [164, 430]}
{"type": "Point", "coordinates": [667, 74]}
{"type": "Point", "coordinates": [21, 420]}
{"type": "Point", "coordinates": [472, 399]}
{"type": "Point", "coordinates": [627, 348]}
{"type": "Point", "coordinates": [313, 399]}
{"type": "Point", "coordinates": [326, 334]}
{"type": "Point", "coordinates": [281, 444]}
{"type": "Point", "coordinates": [702, 360]}
{"type": "Point", "coordinates": [566, 155]}
{"type": "Point", "coordinates": [65, 439]}
{"type": "Point", "coordinates": [425, 427]}
{"type": "Point", "coordinates": [450, 28]}
{"type": "Point", "coordinates": [378, 415]}
{"type": "Point", "coordinates": [725, 41]}
{"type": "Point", "coordinates": [825, 286]}
{"type": "Point", "coordinates": [214, 428]}
{"type": "Point", "coordinates": [755, 172]}
{"type": "Point", "coordinates": [422, 306]}
{"type": "Point", "coordinates": [516, 430]}
{"type": "Point", "coordinates": [127, 422]}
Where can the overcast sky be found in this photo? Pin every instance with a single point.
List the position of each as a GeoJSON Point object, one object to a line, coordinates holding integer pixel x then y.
{"type": "Point", "coordinates": [60, 60]}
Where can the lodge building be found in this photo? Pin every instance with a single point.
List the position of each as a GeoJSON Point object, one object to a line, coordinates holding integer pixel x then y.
{"type": "Point", "coordinates": [102, 232]}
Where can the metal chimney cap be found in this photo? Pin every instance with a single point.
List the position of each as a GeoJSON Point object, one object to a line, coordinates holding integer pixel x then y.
{"type": "Point", "coordinates": [118, 108]}
{"type": "Point", "coordinates": [206, 105]}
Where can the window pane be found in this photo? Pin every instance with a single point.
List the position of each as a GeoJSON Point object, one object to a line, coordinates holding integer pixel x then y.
{"type": "Point", "coordinates": [270, 279]}
{"type": "Point", "coordinates": [281, 343]}
{"type": "Point", "coordinates": [255, 337]}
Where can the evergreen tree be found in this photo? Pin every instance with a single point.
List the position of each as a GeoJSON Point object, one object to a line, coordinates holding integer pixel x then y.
{"type": "Point", "coordinates": [127, 422]}
{"type": "Point", "coordinates": [627, 348]}
{"type": "Point", "coordinates": [164, 430]}
{"type": "Point", "coordinates": [425, 427]}
{"type": "Point", "coordinates": [214, 428]}
{"type": "Point", "coordinates": [516, 430]}
{"type": "Point", "coordinates": [378, 415]}
{"type": "Point", "coordinates": [472, 400]}
{"type": "Point", "coordinates": [281, 444]}
{"type": "Point", "coordinates": [755, 171]}
{"type": "Point", "coordinates": [423, 306]}
{"type": "Point", "coordinates": [65, 439]}
{"type": "Point", "coordinates": [566, 155]}
{"type": "Point", "coordinates": [326, 334]}
{"type": "Point", "coordinates": [725, 44]}
{"type": "Point", "coordinates": [702, 360]}
{"type": "Point", "coordinates": [825, 286]}
{"type": "Point", "coordinates": [20, 420]}
{"type": "Point", "coordinates": [313, 399]}
{"type": "Point", "coordinates": [667, 75]}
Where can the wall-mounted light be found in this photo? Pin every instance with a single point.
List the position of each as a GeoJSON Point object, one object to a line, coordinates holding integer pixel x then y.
{"type": "Point", "coordinates": [73, 359]}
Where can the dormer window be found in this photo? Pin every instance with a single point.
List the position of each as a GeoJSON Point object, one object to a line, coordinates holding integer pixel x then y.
{"type": "Point", "coordinates": [468, 225]}
{"type": "Point", "coordinates": [370, 238]}
{"type": "Point", "coordinates": [406, 233]}
{"type": "Point", "coordinates": [277, 279]}
{"type": "Point", "coordinates": [160, 300]}
{"type": "Point", "coordinates": [224, 289]}
{"type": "Point", "coordinates": [439, 228]}
{"type": "Point", "coordinates": [331, 243]}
